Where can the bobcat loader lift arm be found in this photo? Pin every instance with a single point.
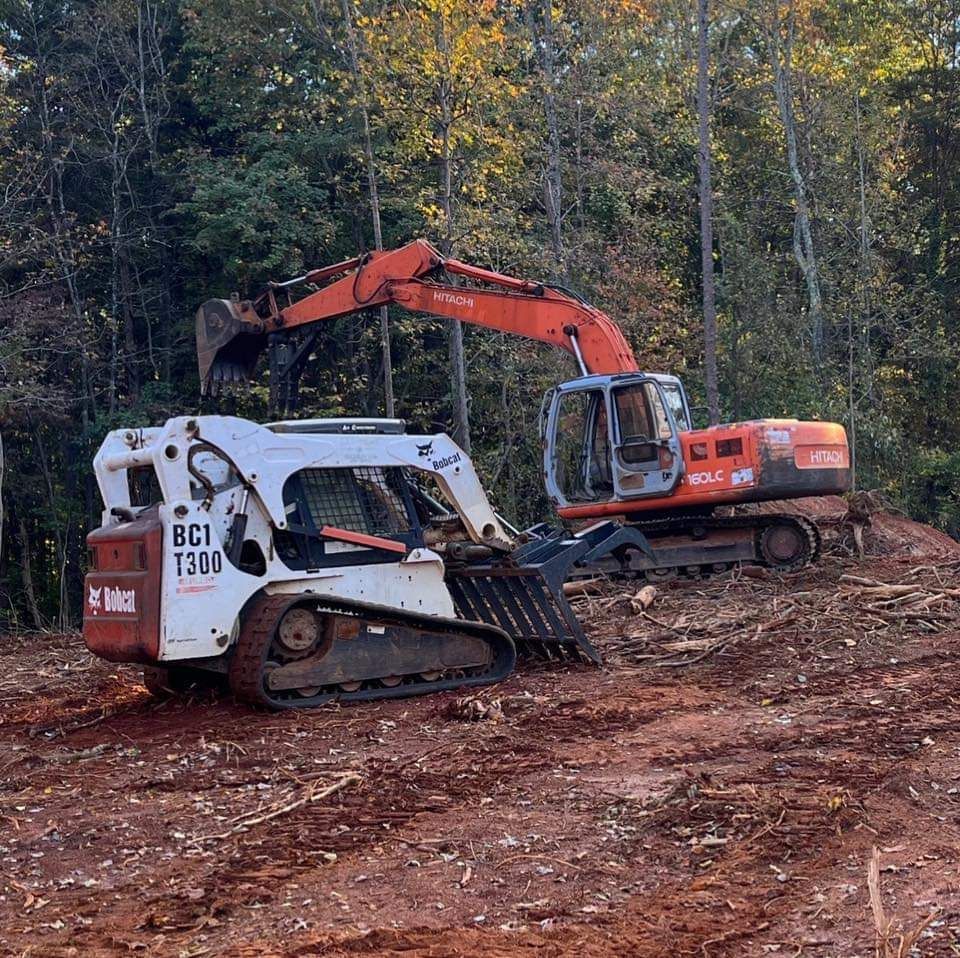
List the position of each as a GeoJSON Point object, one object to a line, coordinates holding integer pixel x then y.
{"type": "Point", "coordinates": [231, 334]}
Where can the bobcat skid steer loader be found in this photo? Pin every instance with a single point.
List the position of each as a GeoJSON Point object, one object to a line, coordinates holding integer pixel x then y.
{"type": "Point", "coordinates": [314, 560]}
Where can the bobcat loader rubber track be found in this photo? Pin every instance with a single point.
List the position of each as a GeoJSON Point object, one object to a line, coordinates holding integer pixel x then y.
{"type": "Point", "coordinates": [367, 652]}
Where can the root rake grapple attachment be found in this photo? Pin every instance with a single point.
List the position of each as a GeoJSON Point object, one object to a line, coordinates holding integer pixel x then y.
{"type": "Point", "coordinates": [522, 594]}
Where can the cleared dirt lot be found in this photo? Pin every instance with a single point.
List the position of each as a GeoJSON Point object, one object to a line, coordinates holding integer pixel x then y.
{"type": "Point", "coordinates": [717, 789]}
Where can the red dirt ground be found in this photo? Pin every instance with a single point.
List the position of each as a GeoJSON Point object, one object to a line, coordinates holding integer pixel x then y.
{"type": "Point", "coordinates": [675, 802]}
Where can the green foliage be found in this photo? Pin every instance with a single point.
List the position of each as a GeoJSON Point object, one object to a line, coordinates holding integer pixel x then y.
{"type": "Point", "coordinates": [265, 214]}
{"type": "Point", "coordinates": [932, 487]}
{"type": "Point", "coordinates": [155, 154]}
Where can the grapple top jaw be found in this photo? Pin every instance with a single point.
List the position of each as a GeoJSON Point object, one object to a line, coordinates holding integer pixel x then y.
{"type": "Point", "coordinates": [230, 338]}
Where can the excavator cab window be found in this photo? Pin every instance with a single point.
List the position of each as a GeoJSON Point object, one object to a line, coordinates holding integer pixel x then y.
{"type": "Point", "coordinates": [610, 438]}
{"type": "Point", "coordinates": [643, 422]}
{"type": "Point", "coordinates": [638, 431]}
{"type": "Point", "coordinates": [677, 404]}
{"type": "Point", "coordinates": [647, 459]}
{"type": "Point", "coordinates": [582, 454]}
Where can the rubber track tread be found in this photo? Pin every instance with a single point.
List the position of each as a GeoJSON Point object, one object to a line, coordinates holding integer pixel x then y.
{"type": "Point", "coordinates": [263, 614]}
{"type": "Point", "coordinates": [680, 524]}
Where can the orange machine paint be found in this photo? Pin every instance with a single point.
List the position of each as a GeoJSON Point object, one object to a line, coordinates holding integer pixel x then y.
{"type": "Point", "coordinates": [744, 462]}
{"type": "Point", "coordinates": [741, 462]}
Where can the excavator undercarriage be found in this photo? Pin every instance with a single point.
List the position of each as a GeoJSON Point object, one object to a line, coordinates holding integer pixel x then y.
{"type": "Point", "coordinates": [708, 545]}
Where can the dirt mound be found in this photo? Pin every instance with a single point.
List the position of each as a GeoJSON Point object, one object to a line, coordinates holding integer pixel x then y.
{"type": "Point", "coordinates": [866, 524]}
{"type": "Point", "coordinates": [717, 789]}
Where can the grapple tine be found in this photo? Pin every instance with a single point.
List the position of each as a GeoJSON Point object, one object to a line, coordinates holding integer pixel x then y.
{"type": "Point", "coordinates": [523, 594]}
{"type": "Point", "coordinates": [230, 338]}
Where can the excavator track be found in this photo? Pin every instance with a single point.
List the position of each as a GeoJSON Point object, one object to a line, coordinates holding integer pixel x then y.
{"type": "Point", "coordinates": [360, 653]}
{"type": "Point", "coordinates": [708, 545]}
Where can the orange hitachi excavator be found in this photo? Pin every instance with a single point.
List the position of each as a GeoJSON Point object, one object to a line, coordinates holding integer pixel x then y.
{"type": "Point", "coordinates": [618, 442]}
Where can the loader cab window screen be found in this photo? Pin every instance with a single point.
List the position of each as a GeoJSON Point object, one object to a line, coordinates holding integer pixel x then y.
{"type": "Point", "coordinates": [143, 486]}
{"type": "Point", "coordinates": [362, 499]}
{"type": "Point", "coordinates": [582, 447]}
{"type": "Point", "coordinates": [369, 499]}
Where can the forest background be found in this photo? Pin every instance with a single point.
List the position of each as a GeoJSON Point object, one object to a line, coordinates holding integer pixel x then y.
{"type": "Point", "coordinates": [156, 153]}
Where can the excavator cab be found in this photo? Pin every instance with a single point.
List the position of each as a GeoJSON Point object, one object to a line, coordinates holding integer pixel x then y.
{"type": "Point", "coordinates": [613, 438]}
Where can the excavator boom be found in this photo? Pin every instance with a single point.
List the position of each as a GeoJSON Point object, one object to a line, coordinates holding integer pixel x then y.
{"type": "Point", "coordinates": [231, 335]}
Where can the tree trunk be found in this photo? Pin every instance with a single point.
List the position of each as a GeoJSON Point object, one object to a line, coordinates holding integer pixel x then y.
{"type": "Point", "coordinates": [727, 254]}
{"type": "Point", "coordinates": [706, 220]}
{"type": "Point", "coordinates": [129, 331]}
{"type": "Point", "coordinates": [26, 565]}
{"type": "Point", "coordinates": [544, 45]}
{"type": "Point", "coordinates": [150, 62]}
{"type": "Point", "coordinates": [461, 412]}
{"type": "Point", "coordinates": [373, 194]}
{"type": "Point", "coordinates": [60, 233]}
{"type": "Point", "coordinates": [865, 300]}
{"type": "Point", "coordinates": [578, 156]}
{"type": "Point", "coordinates": [114, 304]}
{"type": "Point", "coordinates": [59, 535]}
{"type": "Point", "coordinates": [803, 247]}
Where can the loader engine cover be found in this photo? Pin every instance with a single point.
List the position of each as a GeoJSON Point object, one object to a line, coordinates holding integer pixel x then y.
{"type": "Point", "coordinates": [121, 611]}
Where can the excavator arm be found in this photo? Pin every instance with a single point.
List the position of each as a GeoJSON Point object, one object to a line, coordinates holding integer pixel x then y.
{"type": "Point", "coordinates": [232, 334]}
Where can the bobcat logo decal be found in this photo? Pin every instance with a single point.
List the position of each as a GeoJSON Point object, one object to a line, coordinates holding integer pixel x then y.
{"type": "Point", "coordinates": [94, 599]}
{"type": "Point", "coordinates": [426, 450]}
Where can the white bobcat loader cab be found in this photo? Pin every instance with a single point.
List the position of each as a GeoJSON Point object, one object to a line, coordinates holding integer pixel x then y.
{"type": "Point", "coordinates": [313, 560]}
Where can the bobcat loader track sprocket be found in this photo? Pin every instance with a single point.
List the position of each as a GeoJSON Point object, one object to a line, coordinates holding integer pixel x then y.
{"type": "Point", "coordinates": [361, 652]}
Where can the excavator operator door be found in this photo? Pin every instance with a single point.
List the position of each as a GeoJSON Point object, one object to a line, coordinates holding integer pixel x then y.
{"type": "Point", "coordinates": [609, 438]}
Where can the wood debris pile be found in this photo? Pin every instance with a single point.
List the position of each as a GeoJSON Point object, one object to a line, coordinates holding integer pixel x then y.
{"type": "Point", "coordinates": [685, 622]}
{"type": "Point", "coordinates": [864, 524]}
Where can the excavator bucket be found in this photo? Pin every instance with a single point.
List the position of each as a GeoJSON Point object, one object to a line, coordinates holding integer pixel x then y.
{"type": "Point", "coordinates": [523, 594]}
{"type": "Point", "coordinates": [230, 338]}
